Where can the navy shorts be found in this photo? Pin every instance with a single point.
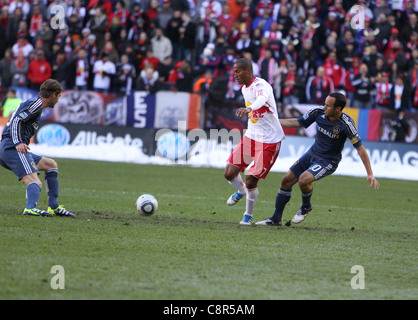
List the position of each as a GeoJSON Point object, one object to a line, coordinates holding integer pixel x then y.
{"type": "Point", "coordinates": [21, 164]}
{"type": "Point", "coordinates": [318, 167]}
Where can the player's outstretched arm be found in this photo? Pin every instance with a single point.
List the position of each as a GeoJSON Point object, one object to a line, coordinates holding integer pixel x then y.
{"type": "Point", "coordinates": [290, 123]}
{"type": "Point", "coordinates": [366, 161]}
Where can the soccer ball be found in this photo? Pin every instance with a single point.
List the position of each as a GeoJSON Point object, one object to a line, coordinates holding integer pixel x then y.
{"type": "Point", "coordinates": [146, 205]}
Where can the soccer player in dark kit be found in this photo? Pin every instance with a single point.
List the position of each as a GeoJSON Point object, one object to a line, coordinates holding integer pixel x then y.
{"type": "Point", "coordinates": [322, 159]}
{"type": "Point", "coordinates": [15, 154]}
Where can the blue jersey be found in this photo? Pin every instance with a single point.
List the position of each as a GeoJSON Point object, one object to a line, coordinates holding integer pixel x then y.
{"type": "Point", "coordinates": [24, 122]}
{"type": "Point", "coordinates": [331, 136]}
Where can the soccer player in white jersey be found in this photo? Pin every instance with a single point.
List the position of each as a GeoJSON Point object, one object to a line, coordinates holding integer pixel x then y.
{"type": "Point", "coordinates": [261, 141]}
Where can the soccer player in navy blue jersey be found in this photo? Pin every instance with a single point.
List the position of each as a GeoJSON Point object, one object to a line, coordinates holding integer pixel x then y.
{"type": "Point", "coordinates": [15, 154]}
{"type": "Point", "coordinates": [322, 159]}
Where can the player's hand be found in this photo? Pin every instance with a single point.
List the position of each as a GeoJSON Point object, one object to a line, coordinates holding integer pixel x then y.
{"type": "Point", "coordinates": [22, 148]}
{"type": "Point", "coordinates": [242, 111]}
{"type": "Point", "coordinates": [373, 182]}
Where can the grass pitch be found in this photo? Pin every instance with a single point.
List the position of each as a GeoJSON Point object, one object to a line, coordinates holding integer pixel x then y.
{"type": "Point", "coordinates": [194, 248]}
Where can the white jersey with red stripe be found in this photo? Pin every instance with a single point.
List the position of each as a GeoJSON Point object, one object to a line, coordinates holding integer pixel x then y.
{"type": "Point", "coordinates": [263, 123]}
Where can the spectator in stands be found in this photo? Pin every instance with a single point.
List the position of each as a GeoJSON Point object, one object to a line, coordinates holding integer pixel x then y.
{"type": "Point", "coordinates": [165, 14]}
{"type": "Point", "coordinates": [401, 127]}
{"type": "Point", "coordinates": [203, 83]}
{"type": "Point", "coordinates": [175, 74]}
{"type": "Point", "coordinates": [245, 21]}
{"type": "Point", "coordinates": [13, 25]}
{"type": "Point", "coordinates": [10, 103]}
{"type": "Point", "coordinates": [383, 88]}
{"type": "Point", "coordinates": [172, 32]}
{"type": "Point", "coordinates": [186, 77]}
{"type": "Point", "coordinates": [59, 68]}
{"type": "Point", "coordinates": [306, 64]}
{"type": "Point", "coordinates": [256, 69]}
{"type": "Point", "coordinates": [296, 10]}
{"type": "Point", "coordinates": [187, 42]}
{"type": "Point", "coordinates": [363, 85]}
{"type": "Point", "coordinates": [122, 13]}
{"type": "Point", "coordinates": [207, 29]}
{"type": "Point", "coordinates": [78, 69]}
{"type": "Point", "coordinates": [399, 95]}
{"type": "Point", "coordinates": [236, 7]}
{"type": "Point", "coordinates": [22, 45]}
{"type": "Point", "coordinates": [114, 29]}
{"type": "Point", "coordinates": [161, 45]}
{"type": "Point", "coordinates": [35, 21]}
{"type": "Point", "coordinates": [150, 59]}
{"type": "Point", "coordinates": [151, 14]}
{"type": "Point", "coordinates": [126, 75]}
{"type": "Point", "coordinates": [111, 51]}
{"type": "Point", "coordinates": [210, 6]}
{"type": "Point", "coordinates": [274, 36]}
{"type": "Point", "coordinates": [263, 21]}
{"type": "Point", "coordinates": [268, 67]}
{"type": "Point", "coordinates": [413, 81]}
{"type": "Point", "coordinates": [409, 28]}
{"type": "Point", "coordinates": [347, 56]}
{"type": "Point", "coordinates": [136, 29]}
{"type": "Point", "coordinates": [5, 73]}
{"type": "Point", "coordinates": [148, 79]}
{"type": "Point", "coordinates": [104, 70]}
{"type": "Point", "coordinates": [262, 6]}
{"type": "Point", "coordinates": [226, 19]}
{"type": "Point", "coordinates": [318, 87]}
{"type": "Point", "coordinates": [210, 60]}
{"type": "Point", "coordinates": [39, 71]}
{"type": "Point", "coordinates": [164, 68]}
{"type": "Point", "coordinates": [289, 52]}
{"type": "Point", "coordinates": [334, 70]}
{"type": "Point", "coordinates": [244, 43]}
{"type": "Point", "coordinates": [19, 69]}
{"type": "Point", "coordinates": [292, 85]}
{"type": "Point", "coordinates": [98, 25]}
{"type": "Point", "coordinates": [79, 11]}
{"type": "Point", "coordinates": [284, 20]}
{"type": "Point", "coordinates": [381, 7]}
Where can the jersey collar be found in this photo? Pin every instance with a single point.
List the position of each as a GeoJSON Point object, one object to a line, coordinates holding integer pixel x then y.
{"type": "Point", "coordinates": [247, 85]}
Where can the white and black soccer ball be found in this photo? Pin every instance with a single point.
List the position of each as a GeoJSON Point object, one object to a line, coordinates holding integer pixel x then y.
{"type": "Point", "coordinates": [146, 205]}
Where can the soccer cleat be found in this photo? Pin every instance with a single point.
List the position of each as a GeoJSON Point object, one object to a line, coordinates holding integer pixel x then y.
{"type": "Point", "coordinates": [234, 198]}
{"type": "Point", "coordinates": [61, 211]}
{"type": "Point", "coordinates": [269, 222]}
{"type": "Point", "coordinates": [247, 220]}
{"type": "Point", "coordinates": [301, 215]}
{"type": "Point", "coordinates": [36, 212]}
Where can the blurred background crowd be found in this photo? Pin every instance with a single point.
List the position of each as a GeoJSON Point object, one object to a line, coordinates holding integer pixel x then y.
{"type": "Point", "coordinates": [303, 48]}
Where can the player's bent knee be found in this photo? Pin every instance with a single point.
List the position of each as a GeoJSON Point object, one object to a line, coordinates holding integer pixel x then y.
{"type": "Point", "coordinates": [31, 178]}
{"type": "Point", "coordinates": [305, 180]}
{"type": "Point", "coordinates": [46, 164]}
{"type": "Point", "coordinates": [288, 181]}
{"type": "Point", "coordinates": [231, 172]}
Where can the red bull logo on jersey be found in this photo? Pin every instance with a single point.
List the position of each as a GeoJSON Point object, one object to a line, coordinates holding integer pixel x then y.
{"type": "Point", "coordinates": [257, 114]}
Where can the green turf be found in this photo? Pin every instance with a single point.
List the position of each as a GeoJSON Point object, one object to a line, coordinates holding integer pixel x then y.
{"type": "Point", "coordinates": [194, 248]}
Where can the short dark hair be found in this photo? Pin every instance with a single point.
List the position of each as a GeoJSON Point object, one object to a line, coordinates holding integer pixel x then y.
{"type": "Point", "coordinates": [244, 63]}
{"type": "Point", "coordinates": [340, 100]}
{"type": "Point", "coordinates": [49, 87]}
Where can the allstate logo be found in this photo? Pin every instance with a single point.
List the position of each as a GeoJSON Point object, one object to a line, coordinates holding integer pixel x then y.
{"type": "Point", "coordinates": [173, 145]}
{"type": "Point", "coordinates": [53, 135]}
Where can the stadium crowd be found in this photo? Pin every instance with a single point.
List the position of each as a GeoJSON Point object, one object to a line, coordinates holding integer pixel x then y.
{"type": "Point", "coordinates": [304, 48]}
